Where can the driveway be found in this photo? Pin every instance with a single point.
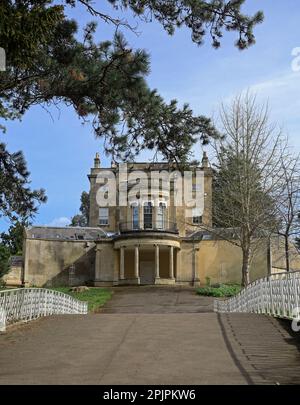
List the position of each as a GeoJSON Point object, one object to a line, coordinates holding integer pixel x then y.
{"type": "Point", "coordinates": [150, 336]}
{"type": "Point", "coordinates": [157, 300]}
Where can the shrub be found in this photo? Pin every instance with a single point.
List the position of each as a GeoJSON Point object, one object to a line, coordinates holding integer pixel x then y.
{"type": "Point", "coordinates": [224, 290]}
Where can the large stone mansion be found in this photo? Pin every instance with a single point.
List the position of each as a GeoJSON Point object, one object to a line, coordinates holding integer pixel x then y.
{"type": "Point", "coordinates": [154, 241]}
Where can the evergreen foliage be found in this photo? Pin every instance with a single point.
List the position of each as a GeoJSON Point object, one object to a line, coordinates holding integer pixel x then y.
{"type": "Point", "coordinates": [82, 219]}
{"type": "Point", "coordinates": [106, 82]}
{"type": "Point", "coordinates": [11, 243]}
{"type": "Point", "coordinates": [17, 200]}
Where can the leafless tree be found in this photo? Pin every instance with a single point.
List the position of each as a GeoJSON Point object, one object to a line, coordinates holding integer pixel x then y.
{"type": "Point", "coordinates": [288, 203]}
{"type": "Point", "coordinates": [248, 177]}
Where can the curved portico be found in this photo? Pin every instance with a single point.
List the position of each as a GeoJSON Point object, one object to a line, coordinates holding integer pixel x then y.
{"type": "Point", "coordinates": [147, 258]}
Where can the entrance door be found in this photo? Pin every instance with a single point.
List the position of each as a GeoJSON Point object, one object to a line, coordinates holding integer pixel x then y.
{"type": "Point", "coordinates": [147, 272]}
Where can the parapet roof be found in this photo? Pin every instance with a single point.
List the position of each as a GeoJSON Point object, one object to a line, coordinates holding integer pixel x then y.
{"type": "Point", "coordinates": [65, 233]}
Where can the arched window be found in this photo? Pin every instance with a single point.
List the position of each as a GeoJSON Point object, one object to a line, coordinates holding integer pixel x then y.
{"type": "Point", "coordinates": [148, 213]}
{"type": "Point", "coordinates": [161, 216]}
{"type": "Point", "coordinates": [135, 216]}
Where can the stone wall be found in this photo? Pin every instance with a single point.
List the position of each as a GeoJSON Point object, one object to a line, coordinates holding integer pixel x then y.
{"type": "Point", "coordinates": [14, 278]}
{"type": "Point", "coordinates": [278, 256]}
{"type": "Point", "coordinates": [106, 270]}
{"type": "Point", "coordinates": [48, 262]}
{"type": "Point", "coordinates": [221, 262]}
{"type": "Point", "coordinates": [75, 262]}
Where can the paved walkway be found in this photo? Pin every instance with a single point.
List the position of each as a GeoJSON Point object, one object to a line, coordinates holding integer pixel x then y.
{"type": "Point", "coordinates": [157, 300]}
{"type": "Point", "coordinates": [151, 336]}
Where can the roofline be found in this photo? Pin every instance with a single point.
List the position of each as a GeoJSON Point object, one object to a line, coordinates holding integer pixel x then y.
{"type": "Point", "coordinates": [64, 227]}
{"type": "Point", "coordinates": [171, 164]}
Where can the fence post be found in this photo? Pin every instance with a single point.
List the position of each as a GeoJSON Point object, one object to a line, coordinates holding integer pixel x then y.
{"type": "Point", "coordinates": [296, 300]}
{"type": "Point", "coordinates": [289, 291]}
{"type": "Point", "coordinates": [283, 312]}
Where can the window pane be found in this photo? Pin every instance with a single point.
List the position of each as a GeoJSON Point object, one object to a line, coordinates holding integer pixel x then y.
{"type": "Point", "coordinates": [148, 215]}
{"type": "Point", "coordinates": [161, 216]}
{"type": "Point", "coordinates": [135, 217]}
{"type": "Point", "coordinates": [197, 218]}
{"type": "Point", "coordinates": [103, 216]}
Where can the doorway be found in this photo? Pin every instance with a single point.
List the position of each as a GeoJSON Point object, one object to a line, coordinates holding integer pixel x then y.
{"type": "Point", "coordinates": [147, 272]}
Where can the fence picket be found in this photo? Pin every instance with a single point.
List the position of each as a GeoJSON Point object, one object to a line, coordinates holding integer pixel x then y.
{"type": "Point", "coordinates": [25, 304]}
{"type": "Point", "coordinates": [277, 295]}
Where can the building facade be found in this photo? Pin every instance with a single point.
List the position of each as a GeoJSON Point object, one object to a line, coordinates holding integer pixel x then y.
{"type": "Point", "coordinates": [146, 235]}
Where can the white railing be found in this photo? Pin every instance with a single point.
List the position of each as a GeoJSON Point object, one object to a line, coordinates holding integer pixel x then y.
{"type": "Point", "coordinates": [26, 304]}
{"type": "Point", "coordinates": [277, 295]}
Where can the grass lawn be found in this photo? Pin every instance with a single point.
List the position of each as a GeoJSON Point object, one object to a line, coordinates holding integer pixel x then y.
{"type": "Point", "coordinates": [96, 297]}
{"type": "Point", "coordinates": [223, 290]}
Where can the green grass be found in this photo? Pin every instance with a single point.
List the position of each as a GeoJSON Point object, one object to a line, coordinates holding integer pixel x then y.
{"type": "Point", "coordinates": [224, 290]}
{"type": "Point", "coordinates": [96, 297]}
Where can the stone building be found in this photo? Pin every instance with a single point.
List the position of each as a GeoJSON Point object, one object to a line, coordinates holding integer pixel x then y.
{"type": "Point", "coordinates": [147, 239]}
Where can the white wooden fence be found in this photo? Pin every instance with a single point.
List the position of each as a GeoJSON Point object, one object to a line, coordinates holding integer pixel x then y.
{"type": "Point", "coordinates": [26, 304]}
{"type": "Point", "coordinates": [277, 295]}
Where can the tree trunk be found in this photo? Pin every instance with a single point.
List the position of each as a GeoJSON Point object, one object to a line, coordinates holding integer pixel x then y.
{"type": "Point", "coordinates": [269, 256]}
{"type": "Point", "coordinates": [287, 253]}
{"type": "Point", "coordinates": [245, 268]}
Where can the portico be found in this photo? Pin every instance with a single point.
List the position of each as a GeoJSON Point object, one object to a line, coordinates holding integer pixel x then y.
{"type": "Point", "coordinates": [147, 261]}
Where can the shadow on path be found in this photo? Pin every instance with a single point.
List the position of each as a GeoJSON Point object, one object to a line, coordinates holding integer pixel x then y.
{"type": "Point", "coordinates": [152, 335]}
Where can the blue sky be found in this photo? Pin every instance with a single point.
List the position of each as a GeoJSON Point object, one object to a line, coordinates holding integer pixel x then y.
{"type": "Point", "coordinates": [60, 150]}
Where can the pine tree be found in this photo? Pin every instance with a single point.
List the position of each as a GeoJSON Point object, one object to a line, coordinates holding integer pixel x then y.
{"type": "Point", "coordinates": [17, 200]}
{"type": "Point", "coordinates": [106, 82]}
{"type": "Point", "coordinates": [82, 219]}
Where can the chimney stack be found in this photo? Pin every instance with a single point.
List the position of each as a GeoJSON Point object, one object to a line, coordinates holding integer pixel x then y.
{"type": "Point", "coordinates": [97, 161]}
{"type": "Point", "coordinates": [204, 160]}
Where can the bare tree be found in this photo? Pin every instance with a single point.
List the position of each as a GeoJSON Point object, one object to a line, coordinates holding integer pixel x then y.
{"type": "Point", "coordinates": [248, 177]}
{"type": "Point", "coordinates": [288, 203]}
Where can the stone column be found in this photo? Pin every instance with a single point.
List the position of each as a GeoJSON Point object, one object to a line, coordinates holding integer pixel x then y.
{"type": "Point", "coordinates": [171, 262]}
{"type": "Point", "coordinates": [122, 263]}
{"type": "Point", "coordinates": [178, 265]}
{"type": "Point", "coordinates": [136, 262]}
{"type": "Point", "coordinates": [157, 261]}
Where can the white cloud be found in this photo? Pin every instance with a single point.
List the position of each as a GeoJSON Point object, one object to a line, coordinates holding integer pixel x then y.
{"type": "Point", "coordinates": [283, 95]}
{"type": "Point", "coordinates": [273, 88]}
{"type": "Point", "coordinates": [282, 92]}
{"type": "Point", "coordinates": [282, 83]}
{"type": "Point", "coordinates": [61, 222]}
